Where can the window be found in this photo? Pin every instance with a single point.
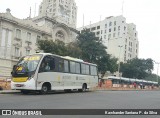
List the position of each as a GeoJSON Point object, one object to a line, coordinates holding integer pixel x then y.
{"type": "Point", "coordinates": [38, 38]}
{"type": "Point", "coordinates": [61, 66]}
{"type": "Point", "coordinates": [77, 68]}
{"type": "Point", "coordinates": [114, 34]}
{"type": "Point", "coordinates": [18, 33]}
{"type": "Point", "coordinates": [93, 70]}
{"type": "Point", "coordinates": [114, 28]}
{"type": "Point", "coordinates": [109, 30]}
{"type": "Point", "coordinates": [28, 36]}
{"type": "Point", "coordinates": [72, 67]}
{"type": "Point", "coordinates": [98, 33]}
{"type": "Point", "coordinates": [119, 27]}
{"type": "Point", "coordinates": [47, 65]}
{"type": "Point", "coordinates": [66, 66]}
{"type": "Point", "coordinates": [114, 22]}
{"type": "Point", "coordinates": [105, 31]}
{"type": "Point", "coordinates": [83, 69]}
{"type": "Point", "coordinates": [110, 23]}
{"type": "Point", "coordinates": [124, 28]}
{"type": "Point", "coordinates": [98, 27]}
{"type": "Point", "coordinates": [16, 51]}
{"type": "Point", "coordinates": [104, 36]}
{"type": "Point", "coordinates": [87, 69]}
{"type": "Point", "coordinates": [101, 31]}
{"type": "Point", "coordinates": [93, 28]}
{"type": "Point", "coordinates": [105, 25]}
{"type": "Point", "coordinates": [27, 52]}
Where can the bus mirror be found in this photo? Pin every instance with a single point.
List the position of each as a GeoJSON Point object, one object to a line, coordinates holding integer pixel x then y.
{"type": "Point", "coordinates": [14, 66]}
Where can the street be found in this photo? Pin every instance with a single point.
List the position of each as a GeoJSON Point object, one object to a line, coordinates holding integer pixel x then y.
{"type": "Point", "coordinates": [88, 100]}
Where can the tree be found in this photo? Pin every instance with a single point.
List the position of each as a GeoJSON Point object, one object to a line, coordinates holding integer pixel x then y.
{"type": "Point", "coordinates": [73, 50]}
{"type": "Point", "coordinates": [54, 47]}
{"type": "Point", "coordinates": [137, 68]}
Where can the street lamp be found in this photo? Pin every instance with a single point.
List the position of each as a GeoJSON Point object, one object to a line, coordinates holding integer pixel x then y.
{"type": "Point", "coordinates": [157, 68]}
{"type": "Point", "coordinates": [120, 46]}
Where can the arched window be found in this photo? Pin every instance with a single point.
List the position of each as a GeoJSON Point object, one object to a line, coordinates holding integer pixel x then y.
{"type": "Point", "coordinates": [60, 35]}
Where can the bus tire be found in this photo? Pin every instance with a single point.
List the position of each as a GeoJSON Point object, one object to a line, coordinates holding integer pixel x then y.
{"type": "Point", "coordinates": [84, 88]}
{"type": "Point", "coordinates": [44, 89]}
{"type": "Point", "coordinates": [24, 91]}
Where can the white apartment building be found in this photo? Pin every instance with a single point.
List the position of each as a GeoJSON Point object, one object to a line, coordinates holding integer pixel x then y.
{"type": "Point", "coordinates": [120, 38]}
{"type": "Point", "coordinates": [64, 11]}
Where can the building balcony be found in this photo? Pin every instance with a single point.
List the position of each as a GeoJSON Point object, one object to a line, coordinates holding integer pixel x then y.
{"type": "Point", "coordinates": [28, 42]}
{"type": "Point", "coordinates": [17, 44]}
{"type": "Point", "coordinates": [16, 57]}
{"type": "Point", "coordinates": [17, 39]}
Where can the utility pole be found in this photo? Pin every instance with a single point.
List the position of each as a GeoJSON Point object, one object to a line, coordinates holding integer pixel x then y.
{"type": "Point", "coordinates": [120, 46]}
{"type": "Point", "coordinates": [157, 69]}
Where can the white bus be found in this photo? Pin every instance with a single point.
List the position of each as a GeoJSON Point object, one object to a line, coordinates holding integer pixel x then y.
{"type": "Point", "coordinates": [44, 72]}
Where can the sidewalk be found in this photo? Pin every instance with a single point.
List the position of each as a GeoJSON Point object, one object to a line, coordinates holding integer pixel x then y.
{"type": "Point", "coordinates": [9, 91]}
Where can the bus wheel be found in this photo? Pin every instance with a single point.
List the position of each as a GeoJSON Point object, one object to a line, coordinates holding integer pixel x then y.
{"type": "Point", "coordinates": [44, 89]}
{"type": "Point", "coordinates": [24, 91]}
{"type": "Point", "coordinates": [84, 88]}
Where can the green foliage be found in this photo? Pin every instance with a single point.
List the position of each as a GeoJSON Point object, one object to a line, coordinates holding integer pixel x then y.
{"type": "Point", "coordinates": [55, 47]}
{"type": "Point", "coordinates": [137, 68]}
{"type": "Point", "coordinates": [152, 77]}
{"type": "Point", "coordinates": [73, 50]}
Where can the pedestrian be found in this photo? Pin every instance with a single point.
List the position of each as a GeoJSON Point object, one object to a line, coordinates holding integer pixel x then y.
{"type": "Point", "coordinates": [134, 84]}
{"type": "Point", "coordinates": [141, 85]}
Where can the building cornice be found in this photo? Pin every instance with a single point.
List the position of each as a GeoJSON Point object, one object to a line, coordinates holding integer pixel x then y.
{"type": "Point", "coordinates": [56, 22]}
{"type": "Point", "coordinates": [22, 23]}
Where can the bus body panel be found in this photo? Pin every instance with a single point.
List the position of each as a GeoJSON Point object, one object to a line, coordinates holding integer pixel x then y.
{"type": "Point", "coordinates": [61, 81]}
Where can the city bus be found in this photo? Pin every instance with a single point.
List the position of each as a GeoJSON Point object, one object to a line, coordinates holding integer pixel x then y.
{"type": "Point", "coordinates": [44, 72]}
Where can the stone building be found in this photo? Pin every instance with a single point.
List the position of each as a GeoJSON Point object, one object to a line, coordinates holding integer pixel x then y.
{"type": "Point", "coordinates": [18, 37]}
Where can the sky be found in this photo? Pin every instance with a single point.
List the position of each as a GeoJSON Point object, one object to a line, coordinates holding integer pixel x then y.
{"type": "Point", "coordinates": [145, 14]}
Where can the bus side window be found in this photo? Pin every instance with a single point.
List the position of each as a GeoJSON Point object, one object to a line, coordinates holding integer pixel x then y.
{"type": "Point", "coordinates": [66, 66]}
{"type": "Point", "coordinates": [52, 64]}
{"type": "Point", "coordinates": [61, 65]}
{"type": "Point", "coordinates": [93, 70]}
{"type": "Point", "coordinates": [48, 64]}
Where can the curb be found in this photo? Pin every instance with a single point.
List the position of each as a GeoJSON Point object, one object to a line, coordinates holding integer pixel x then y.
{"type": "Point", "coordinates": [124, 90]}
{"type": "Point", "coordinates": [9, 91]}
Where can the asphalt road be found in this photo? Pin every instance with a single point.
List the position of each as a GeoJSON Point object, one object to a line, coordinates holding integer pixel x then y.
{"type": "Point", "coordinates": [88, 100]}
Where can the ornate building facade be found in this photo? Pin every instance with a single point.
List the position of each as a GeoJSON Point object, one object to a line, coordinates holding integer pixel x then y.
{"type": "Point", "coordinates": [18, 37]}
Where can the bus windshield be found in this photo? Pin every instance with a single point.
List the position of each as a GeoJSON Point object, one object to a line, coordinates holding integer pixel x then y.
{"type": "Point", "coordinates": [27, 65]}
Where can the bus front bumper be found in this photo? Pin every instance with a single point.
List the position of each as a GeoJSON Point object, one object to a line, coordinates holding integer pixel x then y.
{"type": "Point", "coordinates": [28, 85]}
